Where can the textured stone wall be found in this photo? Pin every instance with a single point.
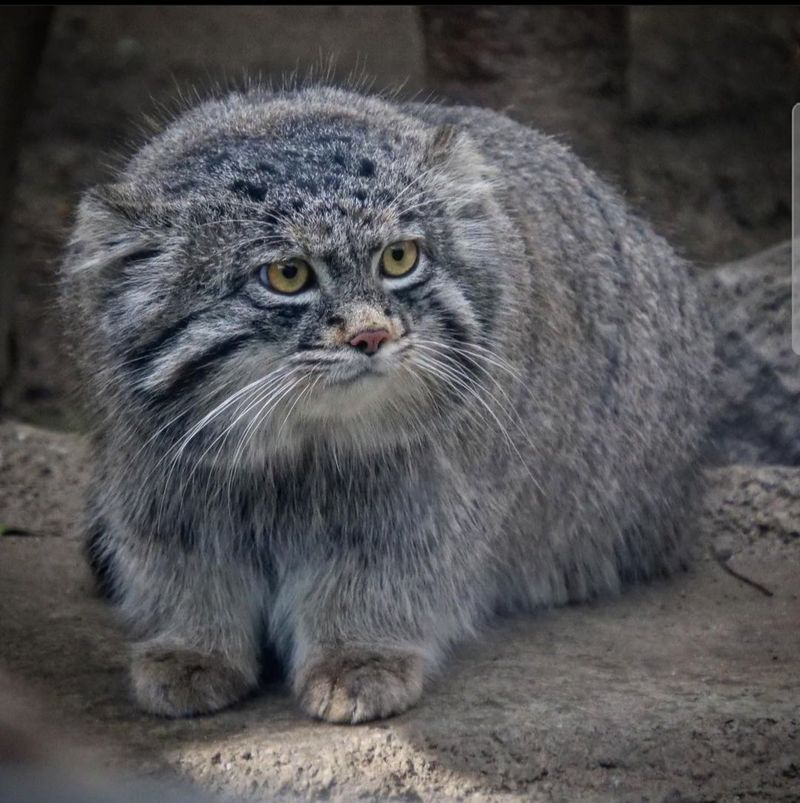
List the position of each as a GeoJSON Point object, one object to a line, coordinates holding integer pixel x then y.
{"type": "Point", "coordinates": [560, 69]}
{"type": "Point", "coordinates": [710, 97]}
{"type": "Point", "coordinates": [687, 108]}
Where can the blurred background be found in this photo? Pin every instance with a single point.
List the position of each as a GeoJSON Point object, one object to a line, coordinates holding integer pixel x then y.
{"type": "Point", "coordinates": [688, 110]}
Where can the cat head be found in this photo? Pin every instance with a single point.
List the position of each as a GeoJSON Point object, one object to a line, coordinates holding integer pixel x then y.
{"type": "Point", "coordinates": [273, 268]}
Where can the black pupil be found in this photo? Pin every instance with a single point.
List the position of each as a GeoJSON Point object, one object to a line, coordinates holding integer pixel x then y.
{"type": "Point", "coordinates": [398, 254]}
{"type": "Point", "coordinates": [289, 271]}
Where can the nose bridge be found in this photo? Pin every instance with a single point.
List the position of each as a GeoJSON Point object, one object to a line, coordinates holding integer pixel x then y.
{"type": "Point", "coordinates": [358, 305]}
{"type": "Point", "coordinates": [359, 320]}
{"type": "Point", "coordinates": [364, 315]}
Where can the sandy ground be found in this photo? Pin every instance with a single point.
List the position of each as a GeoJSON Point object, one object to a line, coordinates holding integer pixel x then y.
{"type": "Point", "coordinates": [683, 690]}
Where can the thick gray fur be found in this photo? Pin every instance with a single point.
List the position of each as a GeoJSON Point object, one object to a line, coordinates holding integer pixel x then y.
{"type": "Point", "coordinates": [531, 435]}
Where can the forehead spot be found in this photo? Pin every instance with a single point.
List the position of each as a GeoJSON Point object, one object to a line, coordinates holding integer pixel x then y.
{"type": "Point", "coordinates": [180, 187]}
{"type": "Point", "coordinates": [367, 168]}
{"type": "Point", "coordinates": [253, 191]}
{"type": "Point", "coordinates": [307, 184]}
{"type": "Point", "coordinates": [216, 160]}
{"type": "Point", "coordinates": [267, 169]}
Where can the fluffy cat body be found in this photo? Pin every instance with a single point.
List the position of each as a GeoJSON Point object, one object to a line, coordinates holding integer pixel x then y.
{"type": "Point", "coordinates": [529, 435]}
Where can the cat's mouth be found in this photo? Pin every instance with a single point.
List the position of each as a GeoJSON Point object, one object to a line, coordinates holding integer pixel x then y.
{"type": "Point", "coordinates": [351, 375]}
{"type": "Point", "coordinates": [362, 369]}
{"type": "Point", "coordinates": [351, 389]}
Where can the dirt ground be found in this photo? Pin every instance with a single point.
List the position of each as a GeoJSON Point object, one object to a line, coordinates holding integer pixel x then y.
{"type": "Point", "coordinates": [683, 690]}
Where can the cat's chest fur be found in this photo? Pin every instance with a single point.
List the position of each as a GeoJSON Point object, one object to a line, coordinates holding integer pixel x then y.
{"type": "Point", "coordinates": [327, 502]}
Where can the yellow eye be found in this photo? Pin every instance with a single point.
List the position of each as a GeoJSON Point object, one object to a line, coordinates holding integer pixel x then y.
{"type": "Point", "coordinates": [398, 259]}
{"type": "Point", "coordinates": [288, 277]}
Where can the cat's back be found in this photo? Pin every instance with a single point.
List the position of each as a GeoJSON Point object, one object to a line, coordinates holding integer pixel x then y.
{"type": "Point", "coordinates": [616, 284]}
{"type": "Point", "coordinates": [616, 351]}
{"type": "Point", "coordinates": [550, 193]}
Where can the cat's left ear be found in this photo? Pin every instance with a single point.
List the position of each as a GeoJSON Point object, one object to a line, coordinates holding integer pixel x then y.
{"type": "Point", "coordinates": [139, 207]}
{"type": "Point", "coordinates": [460, 164]}
{"type": "Point", "coordinates": [440, 143]}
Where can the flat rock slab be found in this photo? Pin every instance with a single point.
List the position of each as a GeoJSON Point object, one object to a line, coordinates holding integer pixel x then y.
{"type": "Point", "coordinates": [685, 689]}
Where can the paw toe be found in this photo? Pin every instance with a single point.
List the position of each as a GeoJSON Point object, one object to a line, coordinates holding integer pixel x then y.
{"type": "Point", "coordinates": [347, 687]}
{"type": "Point", "coordinates": [180, 683]}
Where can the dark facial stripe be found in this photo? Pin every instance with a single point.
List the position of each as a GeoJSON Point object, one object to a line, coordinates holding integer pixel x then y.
{"type": "Point", "coordinates": [141, 256]}
{"type": "Point", "coordinates": [279, 313]}
{"type": "Point", "coordinates": [409, 290]}
{"type": "Point", "coordinates": [457, 333]}
{"type": "Point", "coordinates": [139, 357]}
{"type": "Point", "coordinates": [449, 321]}
{"type": "Point", "coordinates": [196, 369]}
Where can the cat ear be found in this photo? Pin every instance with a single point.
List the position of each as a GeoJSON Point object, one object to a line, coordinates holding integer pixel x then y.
{"type": "Point", "coordinates": [440, 143]}
{"type": "Point", "coordinates": [116, 224]}
{"type": "Point", "coordinates": [462, 168]}
{"type": "Point", "coordinates": [121, 200]}
{"type": "Point", "coordinates": [130, 202]}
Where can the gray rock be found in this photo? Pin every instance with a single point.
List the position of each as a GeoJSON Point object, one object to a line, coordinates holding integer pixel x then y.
{"type": "Point", "coordinates": [757, 419]}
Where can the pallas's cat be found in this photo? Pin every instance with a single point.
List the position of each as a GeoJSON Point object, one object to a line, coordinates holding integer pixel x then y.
{"type": "Point", "coordinates": [361, 375]}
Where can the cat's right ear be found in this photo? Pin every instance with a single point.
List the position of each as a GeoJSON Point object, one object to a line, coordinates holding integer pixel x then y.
{"type": "Point", "coordinates": [116, 224]}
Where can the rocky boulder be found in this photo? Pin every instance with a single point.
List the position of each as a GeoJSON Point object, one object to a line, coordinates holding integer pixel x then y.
{"type": "Point", "coordinates": [757, 404]}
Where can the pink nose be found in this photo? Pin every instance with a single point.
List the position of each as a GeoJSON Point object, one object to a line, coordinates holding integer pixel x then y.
{"type": "Point", "coordinates": [370, 340]}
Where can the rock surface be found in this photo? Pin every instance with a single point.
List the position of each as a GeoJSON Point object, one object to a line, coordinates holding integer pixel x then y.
{"type": "Point", "coordinates": [758, 375]}
{"type": "Point", "coordinates": [681, 690]}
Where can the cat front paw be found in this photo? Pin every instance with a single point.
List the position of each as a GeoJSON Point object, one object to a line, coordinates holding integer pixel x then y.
{"type": "Point", "coordinates": [174, 682]}
{"type": "Point", "coordinates": [350, 686]}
